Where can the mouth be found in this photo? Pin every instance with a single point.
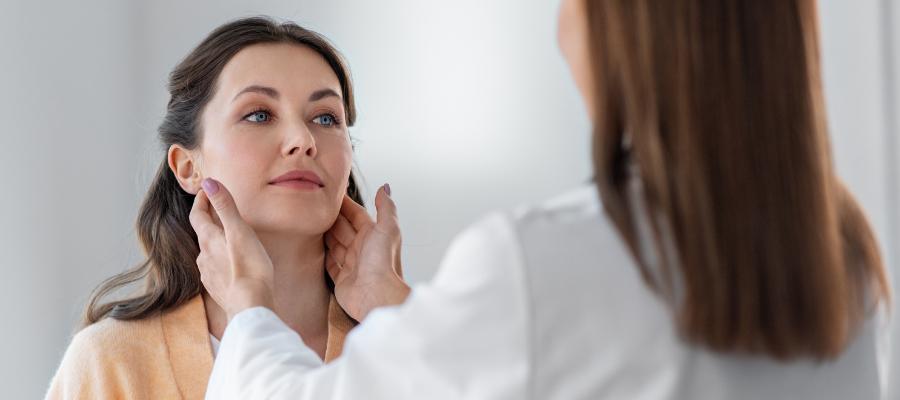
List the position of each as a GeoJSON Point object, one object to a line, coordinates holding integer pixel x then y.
{"type": "Point", "coordinates": [306, 180]}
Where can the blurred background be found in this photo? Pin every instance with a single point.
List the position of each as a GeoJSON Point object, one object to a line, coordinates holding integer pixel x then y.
{"type": "Point", "coordinates": [464, 107]}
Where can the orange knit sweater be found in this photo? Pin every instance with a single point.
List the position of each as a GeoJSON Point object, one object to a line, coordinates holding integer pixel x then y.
{"type": "Point", "coordinates": [164, 357]}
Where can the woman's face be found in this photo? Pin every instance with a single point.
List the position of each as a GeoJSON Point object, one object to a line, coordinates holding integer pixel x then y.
{"type": "Point", "coordinates": [278, 109]}
{"type": "Point", "coordinates": [573, 38]}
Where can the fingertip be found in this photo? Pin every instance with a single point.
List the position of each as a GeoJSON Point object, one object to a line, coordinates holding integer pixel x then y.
{"type": "Point", "coordinates": [383, 197]}
{"type": "Point", "coordinates": [210, 186]}
{"type": "Point", "coordinates": [221, 201]}
{"type": "Point", "coordinates": [385, 192]}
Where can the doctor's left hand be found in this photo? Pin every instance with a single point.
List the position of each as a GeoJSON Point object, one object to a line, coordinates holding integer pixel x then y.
{"type": "Point", "coordinates": [234, 266]}
{"type": "Point", "coordinates": [364, 257]}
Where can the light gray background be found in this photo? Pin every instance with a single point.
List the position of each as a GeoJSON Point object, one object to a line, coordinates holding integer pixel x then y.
{"type": "Point", "coordinates": [465, 107]}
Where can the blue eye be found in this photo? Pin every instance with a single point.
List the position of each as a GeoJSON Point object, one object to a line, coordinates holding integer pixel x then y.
{"type": "Point", "coordinates": [258, 116]}
{"type": "Point", "coordinates": [326, 120]}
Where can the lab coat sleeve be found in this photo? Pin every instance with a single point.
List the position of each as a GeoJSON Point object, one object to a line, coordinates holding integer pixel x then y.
{"type": "Point", "coordinates": [464, 335]}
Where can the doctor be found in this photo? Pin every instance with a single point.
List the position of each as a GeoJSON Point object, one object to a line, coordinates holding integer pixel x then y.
{"type": "Point", "coordinates": [716, 255]}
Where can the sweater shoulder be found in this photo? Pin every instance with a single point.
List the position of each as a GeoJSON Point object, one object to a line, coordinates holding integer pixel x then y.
{"type": "Point", "coordinates": [109, 358]}
{"type": "Point", "coordinates": [114, 338]}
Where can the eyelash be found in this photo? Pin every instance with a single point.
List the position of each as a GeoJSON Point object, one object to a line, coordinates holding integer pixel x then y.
{"type": "Point", "coordinates": [336, 121]}
{"type": "Point", "coordinates": [255, 111]}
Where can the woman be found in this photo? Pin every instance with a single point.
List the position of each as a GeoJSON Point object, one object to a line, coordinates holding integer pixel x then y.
{"type": "Point", "coordinates": [716, 255]}
{"type": "Point", "coordinates": [264, 107]}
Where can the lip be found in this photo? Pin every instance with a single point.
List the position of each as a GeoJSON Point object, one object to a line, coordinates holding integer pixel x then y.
{"type": "Point", "coordinates": [299, 179]}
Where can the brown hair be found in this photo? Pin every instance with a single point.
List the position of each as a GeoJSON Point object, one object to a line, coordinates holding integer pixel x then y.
{"type": "Point", "coordinates": [169, 274]}
{"type": "Point", "coordinates": [718, 108]}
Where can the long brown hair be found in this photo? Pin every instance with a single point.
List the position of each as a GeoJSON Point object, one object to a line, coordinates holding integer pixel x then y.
{"type": "Point", "coordinates": [169, 274]}
{"type": "Point", "coordinates": [716, 107]}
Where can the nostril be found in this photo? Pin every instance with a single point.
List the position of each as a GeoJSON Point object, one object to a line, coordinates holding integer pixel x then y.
{"type": "Point", "coordinates": [309, 151]}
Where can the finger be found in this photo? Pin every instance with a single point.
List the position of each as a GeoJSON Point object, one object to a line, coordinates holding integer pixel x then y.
{"type": "Point", "coordinates": [343, 231]}
{"type": "Point", "coordinates": [336, 250]}
{"type": "Point", "coordinates": [202, 262]}
{"type": "Point", "coordinates": [223, 203]}
{"type": "Point", "coordinates": [201, 220]}
{"type": "Point", "coordinates": [204, 265]}
{"type": "Point", "coordinates": [339, 254]}
{"type": "Point", "coordinates": [331, 242]}
{"type": "Point", "coordinates": [333, 268]}
{"type": "Point", "coordinates": [355, 213]}
{"type": "Point", "coordinates": [385, 210]}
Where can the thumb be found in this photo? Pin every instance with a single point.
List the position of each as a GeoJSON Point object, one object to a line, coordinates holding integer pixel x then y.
{"type": "Point", "coordinates": [223, 203]}
{"type": "Point", "coordinates": [386, 210]}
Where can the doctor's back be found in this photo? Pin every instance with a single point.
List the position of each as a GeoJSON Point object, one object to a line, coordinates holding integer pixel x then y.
{"type": "Point", "coordinates": [592, 328]}
{"type": "Point", "coordinates": [715, 255]}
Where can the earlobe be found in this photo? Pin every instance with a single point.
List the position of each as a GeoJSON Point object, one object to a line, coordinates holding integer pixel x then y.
{"type": "Point", "coordinates": [181, 162]}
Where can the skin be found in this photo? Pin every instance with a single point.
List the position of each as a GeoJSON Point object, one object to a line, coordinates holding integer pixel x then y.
{"type": "Point", "coordinates": [291, 118]}
{"type": "Point", "coordinates": [364, 254]}
{"type": "Point", "coordinates": [573, 38]}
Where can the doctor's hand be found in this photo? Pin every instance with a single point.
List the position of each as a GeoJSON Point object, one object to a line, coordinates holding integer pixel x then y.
{"type": "Point", "coordinates": [234, 266]}
{"type": "Point", "coordinates": [364, 257]}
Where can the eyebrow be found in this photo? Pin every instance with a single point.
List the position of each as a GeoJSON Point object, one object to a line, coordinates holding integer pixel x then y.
{"type": "Point", "coordinates": [258, 89]}
{"type": "Point", "coordinates": [323, 93]}
{"type": "Point", "coordinates": [271, 92]}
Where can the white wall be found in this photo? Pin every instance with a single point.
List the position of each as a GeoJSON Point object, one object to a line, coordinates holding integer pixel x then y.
{"type": "Point", "coordinates": [891, 20]}
{"type": "Point", "coordinates": [464, 107]}
{"type": "Point", "coordinates": [852, 51]}
{"type": "Point", "coordinates": [67, 112]}
{"type": "Point", "coordinates": [858, 55]}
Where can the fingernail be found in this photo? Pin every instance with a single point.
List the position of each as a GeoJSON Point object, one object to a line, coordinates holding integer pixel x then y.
{"type": "Point", "coordinates": [210, 186]}
{"type": "Point", "coordinates": [387, 189]}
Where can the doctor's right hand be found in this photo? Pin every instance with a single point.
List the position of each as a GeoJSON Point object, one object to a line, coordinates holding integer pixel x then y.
{"type": "Point", "coordinates": [234, 266]}
{"type": "Point", "coordinates": [364, 257]}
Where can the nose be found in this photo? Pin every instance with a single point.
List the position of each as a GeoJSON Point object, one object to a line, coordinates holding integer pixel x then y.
{"type": "Point", "coordinates": [299, 140]}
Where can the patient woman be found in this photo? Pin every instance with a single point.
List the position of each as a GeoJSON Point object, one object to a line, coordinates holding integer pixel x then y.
{"type": "Point", "coordinates": [263, 107]}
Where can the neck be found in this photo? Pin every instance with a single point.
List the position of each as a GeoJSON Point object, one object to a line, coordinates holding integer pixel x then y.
{"type": "Point", "coordinates": [301, 293]}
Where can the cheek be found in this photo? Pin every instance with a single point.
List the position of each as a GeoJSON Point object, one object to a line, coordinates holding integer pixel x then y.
{"type": "Point", "coordinates": [237, 163]}
{"type": "Point", "coordinates": [336, 158]}
{"type": "Point", "coordinates": [336, 161]}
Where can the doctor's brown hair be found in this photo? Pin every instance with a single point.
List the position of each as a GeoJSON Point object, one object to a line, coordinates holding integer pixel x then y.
{"type": "Point", "coordinates": [718, 107]}
{"type": "Point", "coordinates": [169, 275]}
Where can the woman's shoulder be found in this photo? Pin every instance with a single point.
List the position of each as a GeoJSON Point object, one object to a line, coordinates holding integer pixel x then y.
{"type": "Point", "coordinates": [165, 355]}
{"type": "Point", "coordinates": [112, 337]}
{"type": "Point", "coordinates": [137, 338]}
{"type": "Point", "coordinates": [112, 342]}
{"type": "Point", "coordinates": [106, 358]}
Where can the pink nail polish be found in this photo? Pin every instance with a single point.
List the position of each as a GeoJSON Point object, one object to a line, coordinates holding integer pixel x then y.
{"type": "Point", "coordinates": [210, 186]}
{"type": "Point", "coordinates": [387, 189]}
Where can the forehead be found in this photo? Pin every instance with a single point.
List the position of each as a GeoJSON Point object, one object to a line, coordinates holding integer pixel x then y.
{"type": "Point", "coordinates": [289, 68]}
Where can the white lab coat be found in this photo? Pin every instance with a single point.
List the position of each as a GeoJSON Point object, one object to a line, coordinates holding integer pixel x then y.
{"type": "Point", "coordinates": [540, 303]}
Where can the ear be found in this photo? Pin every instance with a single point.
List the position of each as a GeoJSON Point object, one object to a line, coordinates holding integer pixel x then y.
{"type": "Point", "coordinates": [185, 166]}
